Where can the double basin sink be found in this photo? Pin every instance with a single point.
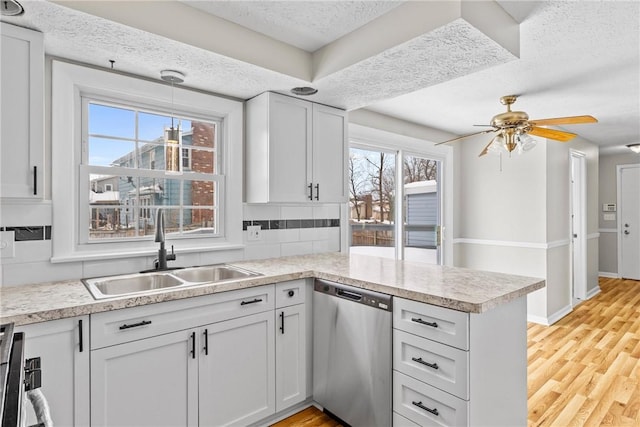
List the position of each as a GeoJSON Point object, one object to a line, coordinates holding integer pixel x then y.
{"type": "Point", "coordinates": [114, 286]}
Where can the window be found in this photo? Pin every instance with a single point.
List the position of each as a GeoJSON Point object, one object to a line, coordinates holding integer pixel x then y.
{"type": "Point", "coordinates": [108, 178]}
{"type": "Point", "coordinates": [398, 200]}
{"type": "Point", "coordinates": [125, 147]}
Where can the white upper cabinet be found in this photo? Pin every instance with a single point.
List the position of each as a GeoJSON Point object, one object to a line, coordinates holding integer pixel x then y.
{"type": "Point", "coordinates": [295, 151]}
{"type": "Point", "coordinates": [22, 112]}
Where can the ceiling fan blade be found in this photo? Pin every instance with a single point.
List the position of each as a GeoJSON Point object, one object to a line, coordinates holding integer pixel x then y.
{"type": "Point", "coordinates": [466, 136]}
{"type": "Point", "coordinates": [557, 135]}
{"type": "Point", "coordinates": [574, 120]}
{"type": "Point", "coordinates": [485, 150]}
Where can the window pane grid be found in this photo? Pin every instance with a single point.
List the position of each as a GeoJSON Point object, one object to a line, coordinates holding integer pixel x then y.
{"type": "Point", "coordinates": [124, 165]}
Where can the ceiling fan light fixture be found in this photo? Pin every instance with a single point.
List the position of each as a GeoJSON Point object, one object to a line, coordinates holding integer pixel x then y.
{"type": "Point", "coordinates": [498, 144]}
{"type": "Point", "coordinates": [524, 142]}
{"type": "Point", "coordinates": [634, 147]}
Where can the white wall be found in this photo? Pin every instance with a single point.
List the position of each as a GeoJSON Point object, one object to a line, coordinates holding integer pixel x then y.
{"type": "Point", "coordinates": [513, 217]}
{"type": "Point", "coordinates": [608, 243]}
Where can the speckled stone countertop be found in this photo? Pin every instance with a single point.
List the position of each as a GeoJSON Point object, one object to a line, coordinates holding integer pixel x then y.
{"type": "Point", "coordinates": [460, 289]}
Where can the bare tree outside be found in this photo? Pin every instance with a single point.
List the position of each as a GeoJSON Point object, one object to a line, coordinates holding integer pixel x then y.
{"type": "Point", "coordinates": [419, 169]}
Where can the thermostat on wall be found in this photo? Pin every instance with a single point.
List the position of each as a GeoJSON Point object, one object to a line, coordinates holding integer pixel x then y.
{"type": "Point", "coordinates": [609, 207]}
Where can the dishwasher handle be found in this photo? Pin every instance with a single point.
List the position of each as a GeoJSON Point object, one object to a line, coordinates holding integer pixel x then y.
{"type": "Point", "coordinates": [347, 294]}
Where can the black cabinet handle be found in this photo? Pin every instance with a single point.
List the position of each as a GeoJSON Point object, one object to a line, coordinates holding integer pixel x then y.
{"type": "Point", "coordinates": [193, 345]}
{"type": "Point", "coordinates": [35, 180]}
{"type": "Point", "coordinates": [317, 191]}
{"type": "Point", "coordinates": [431, 365]}
{"type": "Point", "coordinates": [310, 187]}
{"type": "Point", "coordinates": [135, 325]}
{"type": "Point", "coordinates": [251, 302]}
{"type": "Point", "coordinates": [433, 411]}
{"type": "Point", "coordinates": [282, 321]}
{"type": "Point", "coordinates": [206, 342]}
{"type": "Point", "coordinates": [81, 340]}
{"type": "Point", "coordinates": [423, 322]}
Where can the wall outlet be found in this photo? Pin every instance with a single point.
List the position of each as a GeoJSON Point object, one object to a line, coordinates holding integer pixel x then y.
{"type": "Point", "coordinates": [7, 244]}
{"type": "Point", "coordinates": [254, 232]}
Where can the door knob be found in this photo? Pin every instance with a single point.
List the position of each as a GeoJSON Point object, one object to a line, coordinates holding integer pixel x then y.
{"type": "Point", "coordinates": [626, 231]}
{"type": "Point", "coordinates": [626, 225]}
{"type": "Point", "coordinates": [575, 236]}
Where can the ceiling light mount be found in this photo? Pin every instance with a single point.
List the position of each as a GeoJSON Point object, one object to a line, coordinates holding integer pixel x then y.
{"type": "Point", "coordinates": [304, 90]}
{"type": "Point", "coordinates": [634, 147]}
{"type": "Point", "coordinates": [11, 8]}
{"type": "Point", "coordinates": [172, 76]}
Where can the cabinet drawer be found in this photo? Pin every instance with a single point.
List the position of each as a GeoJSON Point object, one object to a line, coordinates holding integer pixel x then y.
{"type": "Point", "coordinates": [435, 323]}
{"type": "Point", "coordinates": [290, 293]}
{"type": "Point", "coordinates": [130, 324]}
{"type": "Point", "coordinates": [400, 421]}
{"type": "Point", "coordinates": [427, 405]}
{"type": "Point", "coordinates": [437, 364]}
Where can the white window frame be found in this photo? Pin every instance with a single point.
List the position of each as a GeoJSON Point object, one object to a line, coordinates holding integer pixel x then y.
{"type": "Point", "coordinates": [69, 83]}
{"type": "Point", "coordinates": [367, 138]}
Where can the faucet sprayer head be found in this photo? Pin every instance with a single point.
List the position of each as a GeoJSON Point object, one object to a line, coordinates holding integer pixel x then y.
{"type": "Point", "coordinates": [160, 225]}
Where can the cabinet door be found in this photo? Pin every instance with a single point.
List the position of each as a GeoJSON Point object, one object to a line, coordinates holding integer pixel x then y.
{"type": "Point", "coordinates": [150, 382]}
{"type": "Point", "coordinates": [291, 356]}
{"type": "Point", "coordinates": [289, 149]}
{"type": "Point", "coordinates": [329, 154]}
{"type": "Point", "coordinates": [237, 370]}
{"type": "Point", "coordinates": [22, 107]}
{"type": "Point", "coordinates": [65, 368]}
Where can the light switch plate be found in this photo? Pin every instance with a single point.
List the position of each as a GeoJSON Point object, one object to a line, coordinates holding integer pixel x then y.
{"type": "Point", "coordinates": [7, 244]}
{"type": "Point", "coordinates": [609, 217]}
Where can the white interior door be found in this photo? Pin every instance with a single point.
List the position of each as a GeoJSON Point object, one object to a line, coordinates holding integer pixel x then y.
{"type": "Point", "coordinates": [578, 227]}
{"type": "Point", "coordinates": [629, 221]}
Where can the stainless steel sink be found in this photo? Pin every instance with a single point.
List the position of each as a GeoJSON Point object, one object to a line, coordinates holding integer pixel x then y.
{"type": "Point", "coordinates": [110, 287]}
{"type": "Point", "coordinates": [131, 284]}
{"type": "Point", "coordinates": [212, 274]}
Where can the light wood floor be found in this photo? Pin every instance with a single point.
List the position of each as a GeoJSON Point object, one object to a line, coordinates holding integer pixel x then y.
{"type": "Point", "coordinates": [310, 417]}
{"type": "Point", "coordinates": [584, 370]}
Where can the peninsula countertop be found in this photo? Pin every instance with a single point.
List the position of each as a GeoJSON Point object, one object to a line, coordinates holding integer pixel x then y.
{"type": "Point", "coordinates": [461, 289]}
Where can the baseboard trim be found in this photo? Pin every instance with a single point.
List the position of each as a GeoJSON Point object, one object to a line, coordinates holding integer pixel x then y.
{"type": "Point", "coordinates": [608, 275]}
{"type": "Point", "coordinates": [550, 320]}
{"type": "Point", "coordinates": [593, 292]}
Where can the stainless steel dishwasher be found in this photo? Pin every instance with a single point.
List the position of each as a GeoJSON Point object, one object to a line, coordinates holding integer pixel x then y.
{"type": "Point", "coordinates": [352, 353]}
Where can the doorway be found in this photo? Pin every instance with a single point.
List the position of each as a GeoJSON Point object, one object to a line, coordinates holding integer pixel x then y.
{"type": "Point", "coordinates": [578, 212]}
{"type": "Point", "coordinates": [628, 178]}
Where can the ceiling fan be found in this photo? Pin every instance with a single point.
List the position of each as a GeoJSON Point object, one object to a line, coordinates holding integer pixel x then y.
{"type": "Point", "coordinates": [514, 127]}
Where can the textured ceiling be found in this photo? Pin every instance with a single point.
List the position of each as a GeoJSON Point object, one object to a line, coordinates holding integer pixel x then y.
{"type": "Point", "coordinates": [576, 57]}
{"type": "Point", "coordinates": [308, 25]}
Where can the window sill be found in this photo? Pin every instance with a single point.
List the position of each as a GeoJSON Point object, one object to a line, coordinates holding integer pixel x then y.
{"type": "Point", "coordinates": [139, 253]}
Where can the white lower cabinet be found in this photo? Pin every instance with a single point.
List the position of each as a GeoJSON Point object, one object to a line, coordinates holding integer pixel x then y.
{"type": "Point", "coordinates": [63, 348]}
{"type": "Point", "coordinates": [459, 369]}
{"type": "Point", "coordinates": [237, 371]}
{"type": "Point", "coordinates": [149, 382]}
{"type": "Point", "coordinates": [291, 356]}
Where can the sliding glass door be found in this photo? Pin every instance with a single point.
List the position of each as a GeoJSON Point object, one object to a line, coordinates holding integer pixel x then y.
{"type": "Point", "coordinates": [395, 207]}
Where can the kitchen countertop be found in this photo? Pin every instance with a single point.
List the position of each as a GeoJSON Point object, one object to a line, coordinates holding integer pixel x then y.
{"type": "Point", "coordinates": [460, 289]}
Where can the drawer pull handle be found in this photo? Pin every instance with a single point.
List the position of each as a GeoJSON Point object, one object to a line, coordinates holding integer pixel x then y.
{"type": "Point", "coordinates": [431, 365]}
{"type": "Point", "coordinates": [424, 322]}
{"type": "Point", "coordinates": [433, 411]}
{"type": "Point", "coordinates": [251, 302]}
{"type": "Point", "coordinates": [135, 325]}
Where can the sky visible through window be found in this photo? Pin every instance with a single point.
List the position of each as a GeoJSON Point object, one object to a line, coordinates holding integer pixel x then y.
{"type": "Point", "coordinates": [115, 122]}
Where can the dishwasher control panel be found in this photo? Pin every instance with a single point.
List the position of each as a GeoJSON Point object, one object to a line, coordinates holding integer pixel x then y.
{"type": "Point", "coordinates": [357, 295]}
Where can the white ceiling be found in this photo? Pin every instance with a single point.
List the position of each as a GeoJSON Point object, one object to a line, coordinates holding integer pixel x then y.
{"type": "Point", "coordinates": [416, 61]}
